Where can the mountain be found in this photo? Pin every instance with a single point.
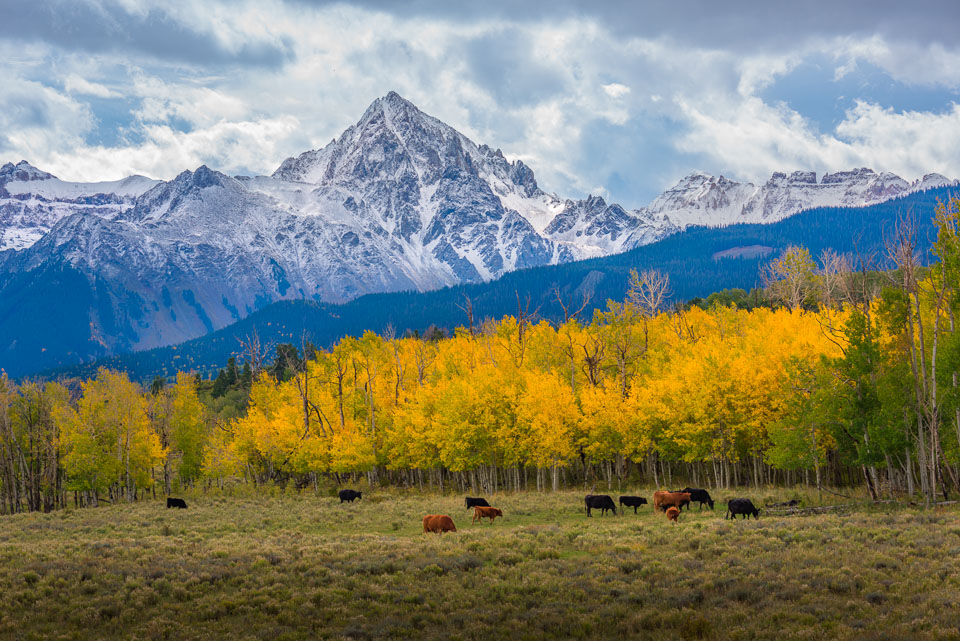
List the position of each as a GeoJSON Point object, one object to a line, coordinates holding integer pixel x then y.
{"type": "Point", "coordinates": [699, 261]}
{"type": "Point", "coordinates": [399, 201]}
{"type": "Point", "coordinates": [33, 201]}
{"type": "Point", "coordinates": [702, 199]}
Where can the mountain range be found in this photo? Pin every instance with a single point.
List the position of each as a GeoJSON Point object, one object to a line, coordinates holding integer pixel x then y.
{"type": "Point", "coordinates": [399, 201]}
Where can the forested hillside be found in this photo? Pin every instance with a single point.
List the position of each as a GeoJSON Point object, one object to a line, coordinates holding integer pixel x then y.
{"type": "Point", "coordinates": [698, 262]}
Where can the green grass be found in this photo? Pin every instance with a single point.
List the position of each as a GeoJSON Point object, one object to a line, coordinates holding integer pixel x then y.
{"type": "Point", "coordinates": [305, 567]}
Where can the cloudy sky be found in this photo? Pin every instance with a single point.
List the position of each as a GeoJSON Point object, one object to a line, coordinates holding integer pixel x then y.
{"type": "Point", "coordinates": [620, 100]}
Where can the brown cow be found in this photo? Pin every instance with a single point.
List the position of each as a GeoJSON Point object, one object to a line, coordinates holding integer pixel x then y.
{"type": "Point", "coordinates": [489, 512]}
{"type": "Point", "coordinates": [663, 500]}
{"type": "Point", "coordinates": [438, 523]}
{"type": "Point", "coordinates": [673, 514]}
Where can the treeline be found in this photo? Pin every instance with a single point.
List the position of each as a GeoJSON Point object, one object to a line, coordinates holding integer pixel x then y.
{"type": "Point", "coordinates": [852, 377]}
{"type": "Point", "coordinates": [106, 439]}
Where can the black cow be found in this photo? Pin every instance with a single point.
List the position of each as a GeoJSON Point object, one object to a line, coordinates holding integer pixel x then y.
{"type": "Point", "coordinates": [600, 502]}
{"type": "Point", "coordinates": [180, 503]}
{"type": "Point", "coordinates": [699, 496]}
{"type": "Point", "coordinates": [741, 506]}
{"type": "Point", "coordinates": [476, 502]}
{"type": "Point", "coordinates": [350, 495]}
{"type": "Point", "coordinates": [632, 501]}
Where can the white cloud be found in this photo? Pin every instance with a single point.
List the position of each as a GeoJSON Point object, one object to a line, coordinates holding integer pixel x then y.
{"type": "Point", "coordinates": [909, 62]}
{"type": "Point", "coordinates": [76, 84]}
{"type": "Point", "coordinates": [36, 118]}
{"type": "Point", "coordinates": [909, 142]}
{"type": "Point", "coordinates": [230, 147]}
{"type": "Point", "coordinates": [616, 90]}
{"type": "Point", "coordinates": [753, 139]}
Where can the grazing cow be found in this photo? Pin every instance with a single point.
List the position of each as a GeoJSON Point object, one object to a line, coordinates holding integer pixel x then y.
{"type": "Point", "coordinates": [479, 512]}
{"type": "Point", "coordinates": [741, 506]}
{"type": "Point", "coordinates": [180, 503]}
{"type": "Point", "coordinates": [632, 501]}
{"type": "Point", "coordinates": [350, 495]}
{"type": "Point", "coordinates": [673, 514]}
{"type": "Point", "coordinates": [699, 496]}
{"type": "Point", "coordinates": [474, 502]}
{"type": "Point", "coordinates": [663, 500]}
{"type": "Point", "coordinates": [438, 523]}
{"type": "Point", "coordinates": [600, 502]}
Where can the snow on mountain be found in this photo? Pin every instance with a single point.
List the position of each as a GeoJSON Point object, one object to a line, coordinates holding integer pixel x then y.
{"type": "Point", "coordinates": [932, 181]}
{"type": "Point", "coordinates": [702, 199]}
{"type": "Point", "coordinates": [398, 201]}
{"type": "Point", "coordinates": [33, 201]}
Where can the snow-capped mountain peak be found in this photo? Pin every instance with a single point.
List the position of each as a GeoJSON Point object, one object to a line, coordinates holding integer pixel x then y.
{"type": "Point", "coordinates": [32, 201]}
{"type": "Point", "coordinates": [932, 181]}
{"type": "Point", "coordinates": [703, 199]}
{"type": "Point", "coordinates": [22, 171]}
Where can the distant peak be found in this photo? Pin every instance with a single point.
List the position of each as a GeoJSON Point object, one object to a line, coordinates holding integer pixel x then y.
{"type": "Point", "coordinates": [694, 178]}
{"type": "Point", "coordinates": [393, 102]}
{"type": "Point", "coordinates": [851, 175]}
{"type": "Point", "coordinates": [795, 178]}
{"type": "Point", "coordinates": [23, 171]}
{"type": "Point", "coordinates": [932, 181]}
{"type": "Point", "coordinates": [201, 177]}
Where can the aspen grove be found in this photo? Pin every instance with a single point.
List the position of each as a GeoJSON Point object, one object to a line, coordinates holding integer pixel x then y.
{"type": "Point", "coordinates": [850, 378]}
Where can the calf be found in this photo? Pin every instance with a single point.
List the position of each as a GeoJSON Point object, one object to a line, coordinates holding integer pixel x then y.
{"type": "Point", "coordinates": [632, 501]}
{"type": "Point", "coordinates": [673, 514]}
{"type": "Point", "coordinates": [350, 495]}
{"type": "Point", "coordinates": [600, 502]}
{"type": "Point", "coordinates": [741, 506]}
{"type": "Point", "coordinates": [438, 523]}
{"type": "Point", "coordinates": [180, 503]}
{"type": "Point", "coordinates": [663, 500]}
{"type": "Point", "coordinates": [479, 512]}
{"type": "Point", "coordinates": [474, 502]}
{"type": "Point", "coordinates": [700, 496]}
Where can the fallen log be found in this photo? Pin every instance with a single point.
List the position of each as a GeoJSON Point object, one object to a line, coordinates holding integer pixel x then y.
{"type": "Point", "coordinates": [819, 509]}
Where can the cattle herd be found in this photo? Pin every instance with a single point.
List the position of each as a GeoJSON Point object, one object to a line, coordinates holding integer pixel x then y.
{"type": "Point", "coordinates": [670, 503]}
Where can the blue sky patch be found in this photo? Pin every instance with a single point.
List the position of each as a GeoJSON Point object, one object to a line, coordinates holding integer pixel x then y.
{"type": "Point", "coordinates": [813, 91]}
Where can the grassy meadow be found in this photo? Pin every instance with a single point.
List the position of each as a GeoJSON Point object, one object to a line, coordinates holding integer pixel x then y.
{"type": "Point", "coordinates": [305, 567]}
